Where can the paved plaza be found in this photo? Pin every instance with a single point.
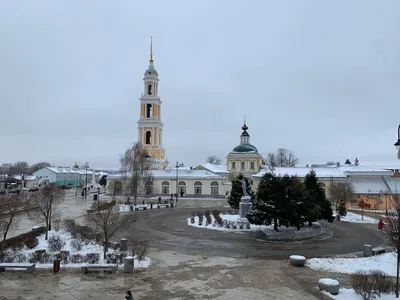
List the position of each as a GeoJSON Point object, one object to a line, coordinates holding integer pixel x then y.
{"type": "Point", "coordinates": [194, 263]}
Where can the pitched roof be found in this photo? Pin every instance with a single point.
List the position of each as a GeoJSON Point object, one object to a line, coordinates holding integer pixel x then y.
{"type": "Point", "coordinates": [215, 168]}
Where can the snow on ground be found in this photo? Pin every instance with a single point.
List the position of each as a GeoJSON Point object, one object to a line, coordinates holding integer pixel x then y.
{"type": "Point", "coordinates": [86, 249]}
{"type": "Point", "coordinates": [356, 218]}
{"type": "Point", "coordinates": [126, 207]}
{"type": "Point", "coordinates": [349, 294]}
{"type": "Point", "coordinates": [384, 262]}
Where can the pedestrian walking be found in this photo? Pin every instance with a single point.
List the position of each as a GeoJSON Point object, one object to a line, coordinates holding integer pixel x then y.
{"type": "Point", "coordinates": [129, 295]}
{"type": "Point", "coordinates": [381, 224]}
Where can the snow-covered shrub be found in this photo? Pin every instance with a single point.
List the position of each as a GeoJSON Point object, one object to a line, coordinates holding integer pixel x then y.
{"type": "Point", "coordinates": [55, 243]}
{"type": "Point", "coordinates": [14, 257]}
{"type": "Point", "coordinates": [91, 258]}
{"type": "Point", "coordinates": [36, 257]}
{"type": "Point", "coordinates": [19, 257]}
{"type": "Point", "coordinates": [31, 242]}
{"type": "Point", "coordinates": [76, 259]}
{"type": "Point", "coordinates": [63, 256]}
{"type": "Point", "coordinates": [139, 249]}
{"type": "Point", "coordinates": [76, 245]}
{"type": "Point", "coordinates": [370, 284]}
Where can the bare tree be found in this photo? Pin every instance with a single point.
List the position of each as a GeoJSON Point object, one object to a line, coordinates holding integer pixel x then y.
{"type": "Point", "coordinates": [9, 221]}
{"type": "Point", "coordinates": [18, 168]}
{"type": "Point", "coordinates": [213, 159]}
{"type": "Point", "coordinates": [282, 158]}
{"type": "Point", "coordinates": [341, 192]}
{"type": "Point", "coordinates": [392, 229]}
{"type": "Point", "coordinates": [38, 166]}
{"type": "Point", "coordinates": [107, 222]}
{"type": "Point", "coordinates": [45, 203]}
{"type": "Point", "coordinates": [135, 165]}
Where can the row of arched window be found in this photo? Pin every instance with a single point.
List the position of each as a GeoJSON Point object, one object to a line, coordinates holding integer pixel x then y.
{"type": "Point", "coordinates": [198, 187]}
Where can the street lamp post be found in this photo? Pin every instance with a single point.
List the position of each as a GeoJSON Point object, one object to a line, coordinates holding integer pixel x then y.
{"type": "Point", "coordinates": [397, 145]}
{"type": "Point", "coordinates": [86, 166]}
{"type": "Point", "coordinates": [176, 188]}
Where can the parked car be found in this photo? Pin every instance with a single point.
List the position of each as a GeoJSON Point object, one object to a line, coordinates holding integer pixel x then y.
{"type": "Point", "coordinates": [34, 189]}
{"type": "Point", "coordinates": [65, 187]}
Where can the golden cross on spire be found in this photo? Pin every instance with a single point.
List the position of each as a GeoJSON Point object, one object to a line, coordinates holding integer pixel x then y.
{"type": "Point", "coordinates": [244, 119]}
{"type": "Point", "coordinates": [151, 49]}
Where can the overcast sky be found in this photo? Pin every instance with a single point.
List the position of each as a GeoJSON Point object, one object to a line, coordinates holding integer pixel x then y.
{"type": "Point", "coordinates": [319, 78]}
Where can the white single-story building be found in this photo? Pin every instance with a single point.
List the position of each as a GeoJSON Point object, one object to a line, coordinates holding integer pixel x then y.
{"type": "Point", "coordinates": [28, 181]}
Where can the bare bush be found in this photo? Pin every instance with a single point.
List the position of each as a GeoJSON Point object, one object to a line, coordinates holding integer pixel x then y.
{"type": "Point", "coordinates": [139, 248]}
{"type": "Point", "coordinates": [70, 225]}
{"type": "Point", "coordinates": [371, 284]}
{"type": "Point", "coordinates": [32, 242]}
{"type": "Point", "coordinates": [55, 243]}
{"type": "Point", "coordinates": [76, 259]}
{"type": "Point", "coordinates": [76, 245]}
{"type": "Point", "coordinates": [91, 258]}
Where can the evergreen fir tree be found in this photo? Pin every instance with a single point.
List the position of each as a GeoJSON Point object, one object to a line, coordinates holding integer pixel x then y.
{"type": "Point", "coordinates": [317, 206]}
{"type": "Point", "coordinates": [237, 192]}
{"type": "Point", "coordinates": [295, 201]}
{"type": "Point", "coordinates": [266, 207]}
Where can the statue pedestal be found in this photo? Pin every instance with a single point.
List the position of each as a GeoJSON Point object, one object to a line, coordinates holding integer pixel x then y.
{"type": "Point", "coordinates": [244, 206]}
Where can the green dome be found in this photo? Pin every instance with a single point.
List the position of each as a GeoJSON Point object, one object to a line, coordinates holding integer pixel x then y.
{"type": "Point", "coordinates": [245, 148]}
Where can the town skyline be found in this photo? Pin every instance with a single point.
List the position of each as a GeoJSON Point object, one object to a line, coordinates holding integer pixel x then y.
{"type": "Point", "coordinates": [329, 92]}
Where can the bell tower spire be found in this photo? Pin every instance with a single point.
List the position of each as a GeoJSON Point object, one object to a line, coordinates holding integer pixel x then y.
{"type": "Point", "coordinates": [150, 127]}
{"type": "Point", "coordinates": [151, 50]}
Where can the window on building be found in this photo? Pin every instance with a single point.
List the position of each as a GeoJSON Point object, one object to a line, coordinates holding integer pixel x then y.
{"type": "Point", "coordinates": [242, 165]}
{"type": "Point", "coordinates": [181, 188]}
{"type": "Point", "coordinates": [148, 138]}
{"type": "Point", "coordinates": [214, 188]}
{"type": "Point", "coordinates": [233, 165]}
{"type": "Point", "coordinates": [197, 188]}
{"type": "Point", "coordinates": [252, 165]}
{"type": "Point", "coordinates": [117, 188]}
{"type": "Point", "coordinates": [149, 89]}
{"type": "Point", "coordinates": [165, 187]}
{"type": "Point", "coordinates": [149, 111]}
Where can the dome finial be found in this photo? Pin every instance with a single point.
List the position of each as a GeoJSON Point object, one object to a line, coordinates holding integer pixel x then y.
{"type": "Point", "coordinates": [151, 50]}
{"type": "Point", "coordinates": [244, 127]}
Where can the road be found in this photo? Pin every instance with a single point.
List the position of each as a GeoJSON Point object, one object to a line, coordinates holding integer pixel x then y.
{"type": "Point", "coordinates": [168, 230]}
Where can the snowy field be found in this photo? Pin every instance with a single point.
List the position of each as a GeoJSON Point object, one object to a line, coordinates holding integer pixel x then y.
{"type": "Point", "coordinates": [357, 218]}
{"type": "Point", "coordinates": [67, 241]}
{"type": "Point", "coordinates": [384, 262]}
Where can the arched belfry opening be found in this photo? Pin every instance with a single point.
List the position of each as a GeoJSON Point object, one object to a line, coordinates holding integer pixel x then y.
{"type": "Point", "coordinates": [148, 137]}
{"type": "Point", "coordinates": [149, 111]}
{"type": "Point", "coordinates": [149, 89]}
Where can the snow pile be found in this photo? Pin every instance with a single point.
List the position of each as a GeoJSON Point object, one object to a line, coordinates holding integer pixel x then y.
{"type": "Point", "coordinates": [86, 252]}
{"type": "Point", "coordinates": [329, 281]}
{"type": "Point", "coordinates": [384, 262]}
{"type": "Point", "coordinates": [127, 207]}
{"type": "Point", "coordinates": [356, 218]}
{"type": "Point", "coordinates": [349, 294]}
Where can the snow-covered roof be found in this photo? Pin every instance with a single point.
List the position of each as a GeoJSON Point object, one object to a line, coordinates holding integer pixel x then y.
{"type": "Point", "coordinates": [359, 170]}
{"type": "Point", "coordinates": [26, 177]}
{"type": "Point", "coordinates": [182, 174]}
{"type": "Point", "coordinates": [215, 168]}
{"type": "Point", "coordinates": [303, 171]}
{"type": "Point", "coordinates": [65, 170]}
{"type": "Point", "coordinates": [327, 172]}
